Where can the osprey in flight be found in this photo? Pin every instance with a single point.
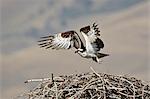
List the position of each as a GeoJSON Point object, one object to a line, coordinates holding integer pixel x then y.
{"type": "Point", "coordinates": [69, 39]}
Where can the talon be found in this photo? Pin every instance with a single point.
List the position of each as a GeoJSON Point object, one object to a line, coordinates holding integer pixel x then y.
{"type": "Point", "coordinates": [98, 60]}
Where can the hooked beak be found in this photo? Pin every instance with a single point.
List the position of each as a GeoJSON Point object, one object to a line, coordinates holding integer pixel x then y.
{"type": "Point", "coordinates": [76, 51]}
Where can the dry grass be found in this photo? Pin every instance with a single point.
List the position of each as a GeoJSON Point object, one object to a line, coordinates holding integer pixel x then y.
{"type": "Point", "coordinates": [88, 86]}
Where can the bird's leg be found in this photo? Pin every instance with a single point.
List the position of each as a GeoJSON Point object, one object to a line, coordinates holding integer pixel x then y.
{"type": "Point", "coordinates": [98, 60]}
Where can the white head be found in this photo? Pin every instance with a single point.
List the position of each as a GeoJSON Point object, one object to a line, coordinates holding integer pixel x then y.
{"type": "Point", "coordinates": [81, 52]}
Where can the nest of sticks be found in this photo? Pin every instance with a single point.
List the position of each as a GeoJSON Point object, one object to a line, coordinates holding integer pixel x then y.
{"type": "Point", "coordinates": [89, 86]}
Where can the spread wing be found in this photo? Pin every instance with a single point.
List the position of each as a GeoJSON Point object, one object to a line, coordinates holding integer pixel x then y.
{"type": "Point", "coordinates": [91, 35]}
{"type": "Point", "coordinates": [65, 40]}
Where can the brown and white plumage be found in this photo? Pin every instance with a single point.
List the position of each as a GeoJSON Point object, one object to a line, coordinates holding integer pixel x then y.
{"type": "Point", "coordinates": [69, 39]}
{"type": "Point", "coordinates": [91, 35]}
{"type": "Point", "coordinates": [65, 40]}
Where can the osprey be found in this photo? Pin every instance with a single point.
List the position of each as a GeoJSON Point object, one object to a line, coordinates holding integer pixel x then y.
{"type": "Point", "coordinates": [69, 39]}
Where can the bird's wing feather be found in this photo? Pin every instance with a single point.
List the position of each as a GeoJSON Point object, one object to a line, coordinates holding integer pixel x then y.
{"type": "Point", "coordinates": [91, 35]}
{"type": "Point", "coordinates": [64, 40]}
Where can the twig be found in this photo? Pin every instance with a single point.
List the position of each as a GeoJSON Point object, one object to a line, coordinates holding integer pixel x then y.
{"type": "Point", "coordinates": [89, 86]}
{"type": "Point", "coordinates": [37, 80]}
{"type": "Point", "coordinates": [103, 82]}
{"type": "Point", "coordinates": [56, 90]}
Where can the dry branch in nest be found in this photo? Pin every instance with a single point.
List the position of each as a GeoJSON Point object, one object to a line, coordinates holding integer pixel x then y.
{"type": "Point", "coordinates": [89, 86]}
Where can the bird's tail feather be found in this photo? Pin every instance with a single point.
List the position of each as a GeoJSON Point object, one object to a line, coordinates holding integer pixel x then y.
{"type": "Point", "coordinates": [101, 55]}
